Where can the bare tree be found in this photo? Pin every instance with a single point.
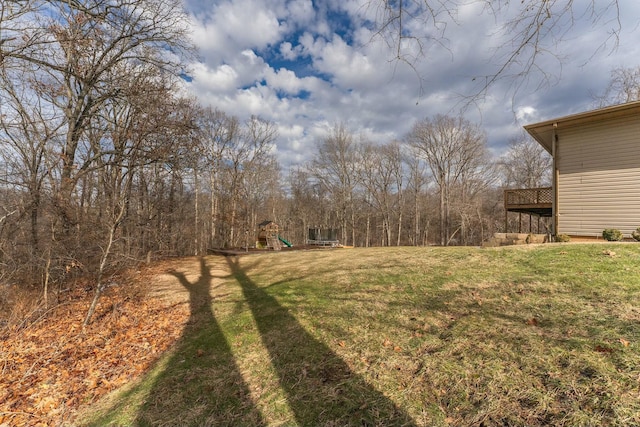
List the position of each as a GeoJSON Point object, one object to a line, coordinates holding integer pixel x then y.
{"type": "Point", "coordinates": [381, 176]}
{"type": "Point", "coordinates": [416, 186]}
{"type": "Point", "coordinates": [138, 128]}
{"type": "Point", "coordinates": [624, 86]}
{"type": "Point", "coordinates": [469, 195]}
{"type": "Point", "coordinates": [454, 149]}
{"type": "Point", "coordinates": [246, 155]}
{"type": "Point", "coordinates": [72, 51]}
{"type": "Point", "coordinates": [217, 132]}
{"type": "Point", "coordinates": [307, 202]}
{"type": "Point", "coordinates": [75, 129]}
{"type": "Point", "coordinates": [525, 164]}
{"type": "Point", "coordinates": [262, 180]}
{"type": "Point", "coordinates": [27, 130]}
{"type": "Point", "coordinates": [335, 165]}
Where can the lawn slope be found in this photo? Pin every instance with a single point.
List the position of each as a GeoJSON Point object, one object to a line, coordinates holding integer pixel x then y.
{"type": "Point", "coordinates": [540, 335]}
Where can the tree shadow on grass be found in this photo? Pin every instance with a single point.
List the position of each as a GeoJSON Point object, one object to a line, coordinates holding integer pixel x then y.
{"type": "Point", "coordinates": [201, 384]}
{"type": "Point", "coordinates": [321, 389]}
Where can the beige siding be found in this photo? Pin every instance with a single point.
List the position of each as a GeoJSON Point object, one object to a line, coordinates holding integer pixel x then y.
{"type": "Point", "coordinates": [599, 177]}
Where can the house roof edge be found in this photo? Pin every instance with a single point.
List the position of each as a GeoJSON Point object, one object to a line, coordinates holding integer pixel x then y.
{"type": "Point", "coordinates": [543, 131]}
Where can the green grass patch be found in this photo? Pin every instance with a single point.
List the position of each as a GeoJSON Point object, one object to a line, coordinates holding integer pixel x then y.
{"type": "Point", "coordinates": [544, 335]}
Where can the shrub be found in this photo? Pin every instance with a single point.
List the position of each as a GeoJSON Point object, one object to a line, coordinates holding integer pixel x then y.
{"type": "Point", "coordinates": [562, 238]}
{"type": "Point", "coordinates": [636, 234]}
{"type": "Point", "coordinates": [612, 234]}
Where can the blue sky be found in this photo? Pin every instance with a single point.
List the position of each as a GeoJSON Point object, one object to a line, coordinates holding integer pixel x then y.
{"type": "Point", "coordinates": [306, 65]}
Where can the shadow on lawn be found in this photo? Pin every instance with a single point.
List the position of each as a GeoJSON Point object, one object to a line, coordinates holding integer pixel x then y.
{"type": "Point", "coordinates": [320, 387]}
{"type": "Point", "coordinates": [201, 384]}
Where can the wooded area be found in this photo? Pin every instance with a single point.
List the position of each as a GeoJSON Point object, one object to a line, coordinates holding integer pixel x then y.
{"type": "Point", "coordinates": [105, 160]}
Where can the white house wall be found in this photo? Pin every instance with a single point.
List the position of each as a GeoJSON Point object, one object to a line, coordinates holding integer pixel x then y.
{"type": "Point", "coordinates": [599, 177]}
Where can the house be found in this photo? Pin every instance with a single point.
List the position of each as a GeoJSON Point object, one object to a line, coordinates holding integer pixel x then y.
{"type": "Point", "coordinates": [596, 171]}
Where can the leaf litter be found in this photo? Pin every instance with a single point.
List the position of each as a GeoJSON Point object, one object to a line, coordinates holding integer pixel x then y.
{"type": "Point", "coordinates": [49, 369]}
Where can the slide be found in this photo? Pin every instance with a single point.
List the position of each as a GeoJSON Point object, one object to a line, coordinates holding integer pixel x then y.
{"type": "Point", "coordinates": [285, 242]}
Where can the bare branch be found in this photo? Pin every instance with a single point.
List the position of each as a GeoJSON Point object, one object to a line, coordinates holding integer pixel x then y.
{"type": "Point", "coordinates": [529, 32]}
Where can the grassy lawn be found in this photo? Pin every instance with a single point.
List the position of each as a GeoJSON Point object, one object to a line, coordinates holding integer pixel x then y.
{"type": "Point", "coordinates": [541, 335]}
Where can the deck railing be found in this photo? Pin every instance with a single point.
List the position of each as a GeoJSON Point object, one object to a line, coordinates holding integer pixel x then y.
{"type": "Point", "coordinates": [528, 197]}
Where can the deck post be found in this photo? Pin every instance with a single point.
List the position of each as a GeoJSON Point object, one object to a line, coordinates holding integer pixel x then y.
{"type": "Point", "coordinates": [554, 183]}
{"type": "Point", "coordinates": [506, 220]}
{"type": "Point", "coordinates": [519, 222]}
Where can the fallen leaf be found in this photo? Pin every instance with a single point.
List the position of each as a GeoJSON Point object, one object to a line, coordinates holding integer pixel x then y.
{"type": "Point", "coordinates": [532, 322]}
{"type": "Point", "coordinates": [341, 343]}
{"type": "Point", "coordinates": [476, 298]}
{"type": "Point", "coordinates": [397, 349]}
{"type": "Point", "coordinates": [386, 342]}
{"type": "Point", "coordinates": [624, 342]}
{"type": "Point", "coordinates": [603, 349]}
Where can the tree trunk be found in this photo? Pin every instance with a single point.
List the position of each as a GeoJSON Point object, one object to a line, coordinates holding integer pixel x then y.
{"type": "Point", "coordinates": [196, 228]}
{"type": "Point", "coordinates": [214, 210]}
{"type": "Point", "coordinates": [103, 262]}
{"type": "Point", "coordinates": [368, 231]}
{"type": "Point", "coordinates": [443, 231]}
{"type": "Point", "coordinates": [399, 228]}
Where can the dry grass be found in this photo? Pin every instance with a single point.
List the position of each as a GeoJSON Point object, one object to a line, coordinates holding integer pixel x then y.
{"type": "Point", "coordinates": [401, 336]}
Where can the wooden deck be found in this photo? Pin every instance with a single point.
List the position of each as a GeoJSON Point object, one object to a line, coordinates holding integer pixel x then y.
{"type": "Point", "coordinates": [532, 201]}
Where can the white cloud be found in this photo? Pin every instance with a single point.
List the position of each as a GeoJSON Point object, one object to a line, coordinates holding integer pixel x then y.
{"type": "Point", "coordinates": [289, 52]}
{"type": "Point", "coordinates": [223, 78]}
{"type": "Point", "coordinates": [300, 11]}
{"type": "Point", "coordinates": [351, 77]}
{"type": "Point", "coordinates": [248, 23]}
{"type": "Point", "coordinates": [350, 67]}
{"type": "Point", "coordinates": [285, 80]}
{"type": "Point", "coordinates": [526, 114]}
{"type": "Point", "coordinates": [291, 131]}
{"type": "Point", "coordinates": [234, 25]}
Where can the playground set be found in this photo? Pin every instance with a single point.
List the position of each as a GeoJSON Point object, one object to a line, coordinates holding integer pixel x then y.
{"type": "Point", "coordinates": [269, 237]}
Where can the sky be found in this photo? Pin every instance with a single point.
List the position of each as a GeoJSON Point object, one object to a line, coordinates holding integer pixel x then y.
{"type": "Point", "coordinates": [308, 65]}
